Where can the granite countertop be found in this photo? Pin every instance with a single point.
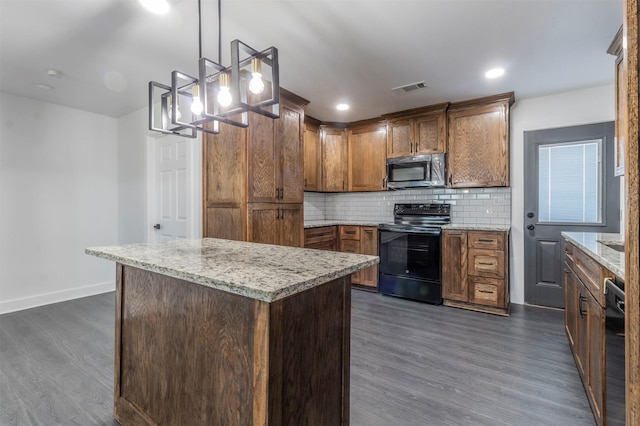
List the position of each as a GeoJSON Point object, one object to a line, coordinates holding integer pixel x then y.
{"type": "Point", "coordinates": [259, 271]}
{"type": "Point", "coordinates": [590, 243]}
{"type": "Point", "coordinates": [334, 222]}
{"type": "Point", "coordinates": [477, 227]}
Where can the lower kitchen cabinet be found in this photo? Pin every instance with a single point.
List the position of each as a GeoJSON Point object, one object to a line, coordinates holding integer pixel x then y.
{"type": "Point", "coordinates": [271, 223]}
{"type": "Point", "coordinates": [585, 328]}
{"type": "Point", "coordinates": [475, 270]}
{"type": "Point", "coordinates": [348, 239]}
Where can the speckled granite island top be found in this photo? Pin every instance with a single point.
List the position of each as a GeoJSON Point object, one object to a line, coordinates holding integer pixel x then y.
{"type": "Point", "coordinates": [259, 271]}
{"type": "Point", "coordinates": [591, 244]}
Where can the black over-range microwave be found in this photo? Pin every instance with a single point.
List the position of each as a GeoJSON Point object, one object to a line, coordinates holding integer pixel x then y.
{"type": "Point", "coordinates": [418, 171]}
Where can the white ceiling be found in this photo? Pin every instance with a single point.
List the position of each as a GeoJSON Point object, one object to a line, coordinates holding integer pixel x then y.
{"type": "Point", "coordinates": [330, 51]}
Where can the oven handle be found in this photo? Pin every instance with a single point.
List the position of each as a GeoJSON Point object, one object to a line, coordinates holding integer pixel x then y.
{"type": "Point", "coordinates": [397, 231]}
{"type": "Point", "coordinates": [617, 292]}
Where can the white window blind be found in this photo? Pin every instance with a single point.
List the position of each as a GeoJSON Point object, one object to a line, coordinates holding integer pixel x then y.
{"type": "Point", "coordinates": [569, 186]}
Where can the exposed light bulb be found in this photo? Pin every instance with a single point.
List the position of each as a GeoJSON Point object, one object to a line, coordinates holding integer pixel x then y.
{"type": "Point", "coordinates": [170, 110]}
{"type": "Point", "coordinates": [224, 97]}
{"type": "Point", "coordinates": [494, 73]}
{"type": "Point", "coordinates": [256, 85]}
{"type": "Point", "coordinates": [196, 104]}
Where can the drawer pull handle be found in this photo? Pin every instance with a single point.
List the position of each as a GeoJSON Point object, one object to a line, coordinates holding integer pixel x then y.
{"type": "Point", "coordinates": [485, 240]}
{"type": "Point", "coordinates": [485, 291]}
{"type": "Point", "coordinates": [486, 263]}
{"type": "Point", "coordinates": [583, 311]}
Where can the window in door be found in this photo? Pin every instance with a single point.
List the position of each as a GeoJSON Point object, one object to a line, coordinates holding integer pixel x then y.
{"type": "Point", "coordinates": [570, 182]}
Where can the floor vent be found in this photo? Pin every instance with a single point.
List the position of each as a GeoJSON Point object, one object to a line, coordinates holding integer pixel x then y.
{"type": "Point", "coordinates": [409, 87]}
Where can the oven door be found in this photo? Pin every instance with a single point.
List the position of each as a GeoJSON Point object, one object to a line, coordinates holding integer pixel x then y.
{"type": "Point", "coordinates": [410, 255]}
{"type": "Point", "coordinates": [410, 265]}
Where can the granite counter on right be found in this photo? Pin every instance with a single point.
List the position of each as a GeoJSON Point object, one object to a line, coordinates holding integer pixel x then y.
{"type": "Point", "coordinates": [605, 248]}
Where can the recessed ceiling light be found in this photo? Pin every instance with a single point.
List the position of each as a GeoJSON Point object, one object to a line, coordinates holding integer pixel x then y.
{"type": "Point", "coordinates": [43, 86]}
{"type": "Point", "coordinates": [156, 6]}
{"type": "Point", "coordinates": [494, 73]}
{"type": "Point", "coordinates": [342, 107]}
{"type": "Point", "coordinates": [54, 73]}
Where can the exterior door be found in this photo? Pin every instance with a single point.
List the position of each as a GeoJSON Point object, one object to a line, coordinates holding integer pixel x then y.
{"type": "Point", "coordinates": [569, 186]}
{"type": "Point", "coordinates": [171, 209]}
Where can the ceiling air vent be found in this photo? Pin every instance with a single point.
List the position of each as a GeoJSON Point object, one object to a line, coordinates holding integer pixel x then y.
{"type": "Point", "coordinates": [409, 87]}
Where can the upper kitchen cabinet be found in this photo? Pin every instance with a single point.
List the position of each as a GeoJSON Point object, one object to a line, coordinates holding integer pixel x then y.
{"type": "Point", "coordinates": [312, 153]}
{"type": "Point", "coordinates": [275, 156]}
{"type": "Point", "coordinates": [366, 152]}
{"type": "Point", "coordinates": [334, 159]}
{"type": "Point", "coordinates": [621, 102]}
{"type": "Point", "coordinates": [417, 131]}
{"type": "Point", "coordinates": [478, 142]}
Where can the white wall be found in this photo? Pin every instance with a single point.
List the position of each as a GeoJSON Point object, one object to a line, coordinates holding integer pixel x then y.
{"type": "Point", "coordinates": [58, 195]}
{"type": "Point", "coordinates": [132, 172]}
{"type": "Point", "coordinates": [586, 106]}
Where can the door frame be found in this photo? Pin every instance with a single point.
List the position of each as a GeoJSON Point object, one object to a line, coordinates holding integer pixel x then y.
{"type": "Point", "coordinates": [194, 183]}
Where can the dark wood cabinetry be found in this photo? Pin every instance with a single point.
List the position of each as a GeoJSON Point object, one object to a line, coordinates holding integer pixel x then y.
{"type": "Point", "coordinates": [312, 155]}
{"type": "Point", "coordinates": [253, 178]}
{"type": "Point", "coordinates": [475, 270]}
{"type": "Point", "coordinates": [334, 159]}
{"type": "Point", "coordinates": [478, 142]}
{"type": "Point", "coordinates": [367, 158]}
{"type": "Point", "coordinates": [617, 50]}
{"type": "Point", "coordinates": [417, 131]}
{"type": "Point", "coordinates": [585, 323]}
{"type": "Point", "coordinates": [348, 239]}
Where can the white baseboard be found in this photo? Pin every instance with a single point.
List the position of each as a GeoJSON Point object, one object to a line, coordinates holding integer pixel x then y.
{"type": "Point", "coordinates": [7, 306]}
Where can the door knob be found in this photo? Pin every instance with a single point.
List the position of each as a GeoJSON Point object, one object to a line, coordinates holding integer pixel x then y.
{"type": "Point", "coordinates": [530, 215]}
{"type": "Point", "coordinates": [530, 227]}
{"type": "Point", "coordinates": [156, 226]}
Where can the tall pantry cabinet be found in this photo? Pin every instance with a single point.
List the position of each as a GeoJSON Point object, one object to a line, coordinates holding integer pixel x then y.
{"type": "Point", "coordinates": [253, 178]}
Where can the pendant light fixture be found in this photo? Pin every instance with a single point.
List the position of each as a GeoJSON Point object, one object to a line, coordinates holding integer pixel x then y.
{"type": "Point", "coordinates": [219, 93]}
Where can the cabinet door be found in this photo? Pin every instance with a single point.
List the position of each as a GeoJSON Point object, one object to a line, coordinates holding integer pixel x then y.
{"type": "Point", "coordinates": [289, 136]}
{"type": "Point", "coordinates": [596, 348]}
{"type": "Point", "coordinates": [224, 180]}
{"type": "Point", "coordinates": [263, 164]}
{"type": "Point", "coordinates": [367, 158]}
{"type": "Point", "coordinates": [582, 330]}
{"type": "Point", "coordinates": [454, 266]}
{"type": "Point", "coordinates": [352, 246]}
{"type": "Point", "coordinates": [621, 114]}
{"type": "Point", "coordinates": [334, 160]}
{"type": "Point", "coordinates": [291, 225]}
{"type": "Point", "coordinates": [311, 158]}
{"type": "Point", "coordinates": [430, 134]}
{"type": "Point", "coordinates": [369, 245]}
{"type": "Point", "coordinates": [399, 138]}
{"type": "Point", "coordinates": [571, 306]}
{"type": "Point", "coordinates": [262, 226]}
{"type": "Point", "coordinates": [479, 146]}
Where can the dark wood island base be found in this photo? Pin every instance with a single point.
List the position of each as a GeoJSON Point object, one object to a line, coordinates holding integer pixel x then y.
{"type": "Point", "coordinates": [187, 354]}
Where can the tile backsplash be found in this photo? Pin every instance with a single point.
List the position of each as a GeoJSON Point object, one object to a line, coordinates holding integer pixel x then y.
{"type": "Point", "coordinates": [468, 206]}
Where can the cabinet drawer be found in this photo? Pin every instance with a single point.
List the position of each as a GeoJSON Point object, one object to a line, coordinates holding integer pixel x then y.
{"type": "Point", "coordinates": [486, 291]}
{"type": "Point", "coordinates": [350, 246]}
{"type": "Point", "coordinates": [486, 263]}
{"type": "Point", "coordinates": [592, 275]}
{"type": "Point", "coordinates": [320, 235]}
{"type": "Point", "coordinates": [486, 240]}
{"type": "Point", "coordinates": [350, 232]}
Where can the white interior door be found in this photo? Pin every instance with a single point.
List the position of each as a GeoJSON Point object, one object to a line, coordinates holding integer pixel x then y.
{"type": "Point", "coordinates": [171, 201]}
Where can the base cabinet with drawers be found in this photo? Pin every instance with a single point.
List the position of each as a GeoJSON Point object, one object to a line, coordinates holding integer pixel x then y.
{"type": "Point", "coordinates": [475, 270]}
{"type": "Point", "coordinates": [585, 323]}
{"type": "Point", "coordinates": [348, 239]}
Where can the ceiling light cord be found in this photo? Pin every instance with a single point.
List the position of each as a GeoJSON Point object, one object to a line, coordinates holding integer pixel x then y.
{"type": "Point", "coordinates": [219, 33]}
{"type": "Point", "coordinates": [199, 30]}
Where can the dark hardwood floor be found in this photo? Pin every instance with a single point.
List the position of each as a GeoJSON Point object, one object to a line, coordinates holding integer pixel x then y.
{"type": "Point", "coordinates": [411, 364]}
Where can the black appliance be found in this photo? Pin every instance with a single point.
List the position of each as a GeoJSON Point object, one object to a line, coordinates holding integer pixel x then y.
{"type": "Point", "coordinates": [409, 250]}
{"type": "Point", "coordinates": [614, 353]}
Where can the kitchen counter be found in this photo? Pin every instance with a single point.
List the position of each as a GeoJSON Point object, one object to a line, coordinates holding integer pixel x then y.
{"type": "Point", "coordinates": [259, 271]}
{"type": "Point", "coordinates": [478, 227]}
{"type": "Point", "coordinates": [320, 223]}
{"type": "Point", "coordinates": [590, 243]}
{"type": "Point", "coordinates": [260, 334]}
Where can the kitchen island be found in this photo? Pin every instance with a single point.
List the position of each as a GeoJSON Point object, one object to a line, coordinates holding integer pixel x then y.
{"type": "Point", "coordinates": [220, 332]}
